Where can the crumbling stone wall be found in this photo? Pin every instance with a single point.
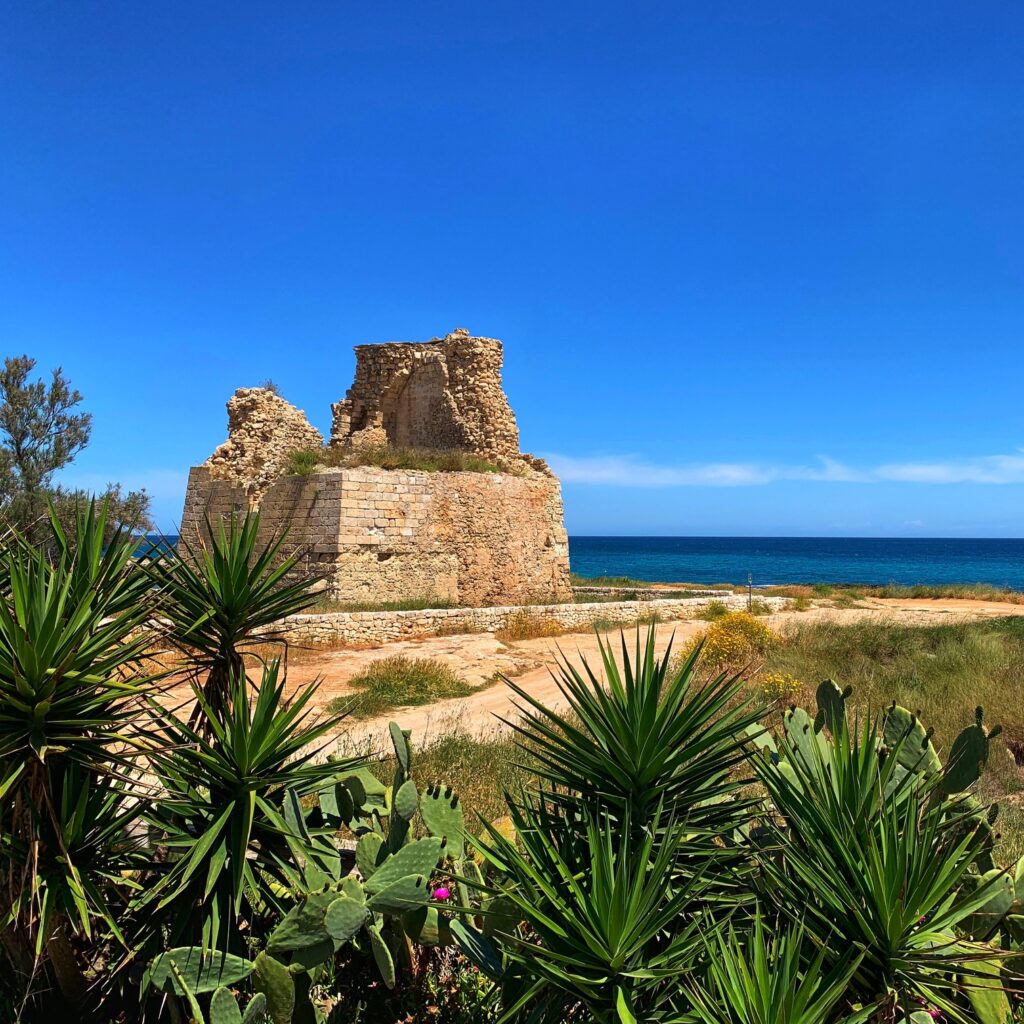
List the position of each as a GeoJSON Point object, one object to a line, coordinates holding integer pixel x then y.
{"type": "Point", "coordinates": [263, 430]}
{"type": "Point", "coordinates": [444, 393]}
{"type": "Point", "coordinates": [470, 538]}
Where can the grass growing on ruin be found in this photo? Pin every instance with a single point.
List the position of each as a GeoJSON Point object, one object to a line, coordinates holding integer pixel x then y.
{"type": "Point", "coordinates": [406, 604]}
{"type": "Point", "coordinates": [397, 682]}
{"type": "Point", "coordinates": [434, 460]}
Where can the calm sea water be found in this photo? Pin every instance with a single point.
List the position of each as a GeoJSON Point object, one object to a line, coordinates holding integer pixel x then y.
{"type": "Point", "coordinates": [867, 560]}
{"type": "Point", "coordinates": [800, 560]}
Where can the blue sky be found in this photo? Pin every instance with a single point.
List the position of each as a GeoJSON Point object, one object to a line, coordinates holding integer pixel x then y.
{"type": "Point", "coordinates": [758, 267]}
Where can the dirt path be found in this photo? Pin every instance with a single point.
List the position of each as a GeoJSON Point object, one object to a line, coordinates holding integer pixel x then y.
{"type": "Point", "coordinates": [479, 658]}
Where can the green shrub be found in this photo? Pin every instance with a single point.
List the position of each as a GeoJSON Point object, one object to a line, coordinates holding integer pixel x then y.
{"type": "Point", "coordinates": [713, 611]}
{"type": "Point", "coordinates": [735, 639]}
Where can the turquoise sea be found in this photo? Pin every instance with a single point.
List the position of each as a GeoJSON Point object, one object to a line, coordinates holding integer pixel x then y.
{"type": "Point", "coordinates": [801, 560]}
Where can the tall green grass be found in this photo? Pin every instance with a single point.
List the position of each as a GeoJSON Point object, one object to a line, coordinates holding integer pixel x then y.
{"type": "Point", "coordinates": [943, 671]}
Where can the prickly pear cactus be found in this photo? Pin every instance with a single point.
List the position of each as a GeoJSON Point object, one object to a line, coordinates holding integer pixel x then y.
{"type": "Point", "coordinates": [831, 707]}
{"type": "Point", "coordinates": [903, 732]}
{"type": "Point", "coordinates": [442, 814]}
{"type": "Point", "coordinates": [388, 900]}
{"type": "Point", "coordinates": [969, 755]}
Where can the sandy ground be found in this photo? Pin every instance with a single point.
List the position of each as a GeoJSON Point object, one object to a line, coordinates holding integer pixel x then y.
{"type": "Point", "coordinates": [479, 657]}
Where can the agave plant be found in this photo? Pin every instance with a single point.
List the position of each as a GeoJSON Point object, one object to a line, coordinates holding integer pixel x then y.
{"type": "Point", "coordinates": [229, 811]}
{"type": "Point", "coordinates": [226, 591]}
{"type": "Point", "coordinates": [601, 914]}
{"type": "Point", "coordinates": [650, 741]}
{"type": "Point", "coordinates": [72, 641]}
{"type": "Point", "coordinates": [771, 977]}
{"type": "Point", "coordinates": [873, 858]}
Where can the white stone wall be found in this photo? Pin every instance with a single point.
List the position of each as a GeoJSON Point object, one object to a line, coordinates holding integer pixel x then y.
{"type": "Point", "coordinates": [338, 629]}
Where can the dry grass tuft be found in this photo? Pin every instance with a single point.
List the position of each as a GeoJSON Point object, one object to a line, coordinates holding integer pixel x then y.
{"type": "Point", "coordinates": [397, 682]}
{"type": "Point", "coordinates": [529, 626]}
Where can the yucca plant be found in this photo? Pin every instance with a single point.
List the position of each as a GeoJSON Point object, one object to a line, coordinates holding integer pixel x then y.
{"type": "Point", "coordinates": [648, 740]}
{"type": "Point", "coordinates": [229, 810]}
{"type": "Point", "coordinates": [600, 916]}
{"type": "Point", "coordinates": [771, 976]}
{"type": "Point", "coordinates": [72, 641]}
{"type": "Point", "coordinates": [224, 592]}
{"type": "Point", "coordinates": [873, 858]}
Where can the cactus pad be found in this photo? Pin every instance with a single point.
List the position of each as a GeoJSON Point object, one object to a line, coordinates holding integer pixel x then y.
{"type": "Point", "coordinates": [442, 814]}
{"type": "Point", "coordinates": [427, 926]}
{"type": "Point", "coordinates": [831, 706]}
{"type": "Point", "coordinates": [406, 800]}
{"type": "Point", "coordinates": [401, 896]}
{"type": "Point", "coordinates": [275, 981]}
{"type": "Point", "coordinates": [968, 755]}
{"type": "Point", "coordinates": [303, 926]}
{"type": "Point", "coordinates": [418, 858]}
{"type": "Point", "coordinates": [224, 1009]}
{"type": "Point", "coordinates": [256, 1011]}
{"type": "Point", "coordinates": [904, 733]}
{"type": "Point", "coordinates": [802, 738]}
{"type": "Point", "coordinates": [344, 917]}
{"type": "Point", "coordinates": [200, 971]}
{"type": "Point", "coordinates": [381, 953]}
{"type": "Point", "coordinates": [400, 741]}
{"type": "Point", "coordinates": [369, 853]}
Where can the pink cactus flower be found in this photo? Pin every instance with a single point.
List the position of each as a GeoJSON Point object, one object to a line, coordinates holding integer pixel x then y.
{"type": "Point", "coordinates": [440, 893]}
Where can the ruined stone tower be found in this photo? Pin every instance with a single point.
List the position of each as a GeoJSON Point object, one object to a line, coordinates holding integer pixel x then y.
{"type": "Point", "coordinates": [444, 393]}
{"type": "Point", "coordinates": [470, 537]}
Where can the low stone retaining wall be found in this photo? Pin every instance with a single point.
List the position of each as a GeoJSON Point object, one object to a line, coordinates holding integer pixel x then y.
{"type": "Point", "coordinates": [650, 593]}
{"type": "Point", "coordinates": [339, 629]}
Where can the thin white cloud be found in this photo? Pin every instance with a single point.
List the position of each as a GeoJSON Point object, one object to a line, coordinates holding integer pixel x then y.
{"type": "Point", "coordinates": [631, 471]}
{"type": "Point", "coordinates": [988, 469]}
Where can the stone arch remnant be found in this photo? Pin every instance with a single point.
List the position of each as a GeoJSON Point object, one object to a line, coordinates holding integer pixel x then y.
{"type": "Point", "coordinates": [445, 393]}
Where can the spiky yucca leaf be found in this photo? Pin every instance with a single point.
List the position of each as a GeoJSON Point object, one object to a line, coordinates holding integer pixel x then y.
{"type": "Point", "coordinates": [771, 976]}
{"type": "Point", "coordinates": [72, 640]}
{"type": "Point", "coordinates": [872, 858]}
{"type": "Point", "coordinates": [220, 813]}
{"type": "Point", "coordinates": [225, 591]}
{"type": "Point", "coordinates": [606, 925]}
{"type": "Point", "coordinates": [646, 738]}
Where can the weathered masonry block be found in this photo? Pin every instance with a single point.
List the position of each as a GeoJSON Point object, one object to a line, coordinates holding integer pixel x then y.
{"type": "Point", "coordinates": [471, 538]}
